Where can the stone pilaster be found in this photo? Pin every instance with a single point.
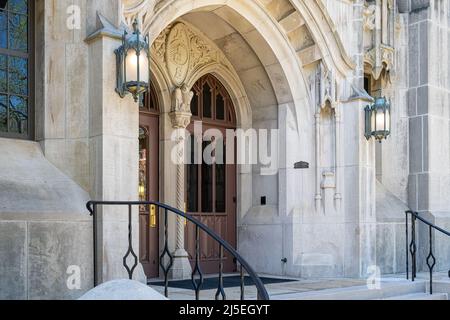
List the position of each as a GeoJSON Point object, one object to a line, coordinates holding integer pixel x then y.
{"type": "Point", "coordinates": [429, 137]}
{"type": "Point", "coordinates": [114, 158]}
{"type": "Point", "coordinates": [359, 197]}
{"type": "Point", "coordinates": [318, 197]}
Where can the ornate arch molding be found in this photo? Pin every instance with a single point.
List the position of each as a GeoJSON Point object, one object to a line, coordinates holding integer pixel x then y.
{"type": "Point", "coordinates": [313, 12]}
{"type": "Point", "coordinates": [325, 34]}
{"type": "Point", "coordinates": [141, 9]}
{"type": "Point", "coordinates": [254, 12]}
{"type": "Point", "coordinates": [162, 86]}
{"type": "Point", "coordinates": [182, 54]}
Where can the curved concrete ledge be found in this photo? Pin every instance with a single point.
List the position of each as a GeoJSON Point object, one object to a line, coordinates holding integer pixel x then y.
{"type": "Point", "coordinates": [123, 290]}
{"type": "Point", "coordinates": [389, 207]}
{"type": "Point", "coordinates": [31, 187]}
{"type": "Point", "coordinates": [46, 229]}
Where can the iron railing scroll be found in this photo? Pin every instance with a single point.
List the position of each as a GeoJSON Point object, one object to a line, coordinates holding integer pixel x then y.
{"type": "Point", "coordinates": [167, 259]}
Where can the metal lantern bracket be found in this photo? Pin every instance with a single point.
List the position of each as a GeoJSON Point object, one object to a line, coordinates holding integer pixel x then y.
{"type": "Point", "coordinates": [140, 45]}
{"type": "Point", "coordinates": [368, 119]}
{"type": "Point", "coordinates": [120, 57]}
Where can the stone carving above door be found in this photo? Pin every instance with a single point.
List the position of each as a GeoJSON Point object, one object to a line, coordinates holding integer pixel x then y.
{"type": "Point", "coordinates": [183, 51]}
{"type": "Point", "coordinates": [178, 54]}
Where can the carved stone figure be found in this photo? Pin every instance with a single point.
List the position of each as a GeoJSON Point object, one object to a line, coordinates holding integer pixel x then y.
{"type": "Point", "coordinates": [187, 96]}
{"type": "Point", "coordinates": [177, 100]}
{"type": "Point", "coordinates": [181, 101]}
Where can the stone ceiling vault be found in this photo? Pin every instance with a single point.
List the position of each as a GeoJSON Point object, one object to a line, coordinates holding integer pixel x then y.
{"type": "Point", "coordinates": [298, 33]}
{"type": "Point", "coordinates": [298, 20]}
{"type": "Point", "coordinates": [250, 57]}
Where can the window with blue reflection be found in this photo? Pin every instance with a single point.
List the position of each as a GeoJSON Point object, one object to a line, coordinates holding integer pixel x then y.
{"type": "Point", "coordinates": [14, 68]}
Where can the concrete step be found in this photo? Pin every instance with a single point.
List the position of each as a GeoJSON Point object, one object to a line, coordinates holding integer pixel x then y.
{"type": "Point", "coordinates": [389, 288]}
{"type": "Point", "coordinates": [420, 296]}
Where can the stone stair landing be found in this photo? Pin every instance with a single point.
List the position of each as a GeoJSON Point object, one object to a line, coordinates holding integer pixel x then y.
{"type": "Point", "coordinates": [390, 290]}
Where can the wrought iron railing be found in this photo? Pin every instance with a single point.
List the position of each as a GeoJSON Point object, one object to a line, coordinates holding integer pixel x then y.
{"type": "Point", "coordinates": [166, 258]}
{"type": "Point", "coordinates": [412, 246]}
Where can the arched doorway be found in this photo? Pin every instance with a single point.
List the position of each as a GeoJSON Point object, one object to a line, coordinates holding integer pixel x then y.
{"type": "Point", "coordinates": [211, 188]}
{"type": "Point", "coordinates": [149, 182]}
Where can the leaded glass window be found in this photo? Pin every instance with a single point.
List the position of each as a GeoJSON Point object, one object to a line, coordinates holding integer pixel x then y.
{"type": "Point", "coordinates": [15, 57]}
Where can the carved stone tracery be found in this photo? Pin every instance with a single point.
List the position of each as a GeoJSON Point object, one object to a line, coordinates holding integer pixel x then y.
{"type": "Point", "coordinates": [323, 87]}
{"type": "Point", "coordinates": [369, 17]}
{"type": "Point", "coordinates": [325, 99]}
{"type": "Point", "coordinates": [142, 10]}
{"type": "Point", "coordinates": [379, 22]}
{"type": "Point", "coordinates": [183, 52]}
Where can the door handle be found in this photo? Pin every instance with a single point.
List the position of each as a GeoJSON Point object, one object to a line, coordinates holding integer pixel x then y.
{"type": "Point", "coordinates": [153, 216]}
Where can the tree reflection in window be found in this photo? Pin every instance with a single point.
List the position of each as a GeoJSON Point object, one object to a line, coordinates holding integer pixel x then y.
{"type": "Point", "coordinates": [14, 68]}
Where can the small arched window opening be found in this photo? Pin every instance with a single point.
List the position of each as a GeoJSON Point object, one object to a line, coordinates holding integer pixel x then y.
{"type": "Point", "coordinates": [149, 103]}
{"type": "Point", "coordinates": [212, 103]}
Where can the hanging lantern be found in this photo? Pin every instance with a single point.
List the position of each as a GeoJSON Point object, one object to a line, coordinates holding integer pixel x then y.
{"type": "Point", "coordinates": [378, 119]}
{"type": "Point", "coordinates": [133, 59]}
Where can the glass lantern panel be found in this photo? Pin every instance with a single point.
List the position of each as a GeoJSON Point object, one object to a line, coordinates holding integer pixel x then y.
{"type": "Point", "coordinates": [373, 116]}
{"type": "Point", "coordinates": [380, 121]}
{"type": "Point", "coordinates": [132, 67]}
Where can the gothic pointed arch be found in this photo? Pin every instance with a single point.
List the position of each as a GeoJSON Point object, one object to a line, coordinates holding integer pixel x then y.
{"type": "Point", "coordinates": [212, 102]}
{"type": "Point", "coordinates": [289, 14]}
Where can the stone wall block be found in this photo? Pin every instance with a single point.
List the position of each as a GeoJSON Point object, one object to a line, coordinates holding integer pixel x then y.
{"type": "Point", "coordinates": [413, 55]}
{"type": "Point", "coordinates": [77, 88]}
{"type": "Point", "coordinates": [423, 45]}
{"type": "Point", "coordinates": [415, 145]}
{"type": "Point", "coordinates": [13, 261]}
{"type": "Point", "coordinates": [53, 248]}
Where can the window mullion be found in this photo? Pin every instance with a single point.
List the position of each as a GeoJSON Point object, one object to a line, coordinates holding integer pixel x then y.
{"type": "Point", "coordinates": [8, 45]}
{"type": "Point", "coordinates": [14, 53]}
{"type": "Point", "coordinates": [7, 94]}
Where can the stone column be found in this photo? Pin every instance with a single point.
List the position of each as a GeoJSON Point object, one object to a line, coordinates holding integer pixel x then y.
{"type": "Point", "coordinates": [359, 196]}
{"type": "Point", "coordinates": [181, 118]}
{"type": "Point", "coordinates": [318, 198]}
{"type": "Point", "coordinates": [338, 195]}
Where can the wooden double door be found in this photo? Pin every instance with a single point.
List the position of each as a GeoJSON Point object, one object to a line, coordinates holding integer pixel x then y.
{"type": "Point", "coordinates": [211, 185]}
{"type": "Point", "coordinates": [211, 199]}
{"type": "Point", "coordinates": [210, 189]}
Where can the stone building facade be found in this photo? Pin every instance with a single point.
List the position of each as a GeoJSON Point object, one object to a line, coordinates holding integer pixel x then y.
{"type": "Point", "coordinates": [303, 68]}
